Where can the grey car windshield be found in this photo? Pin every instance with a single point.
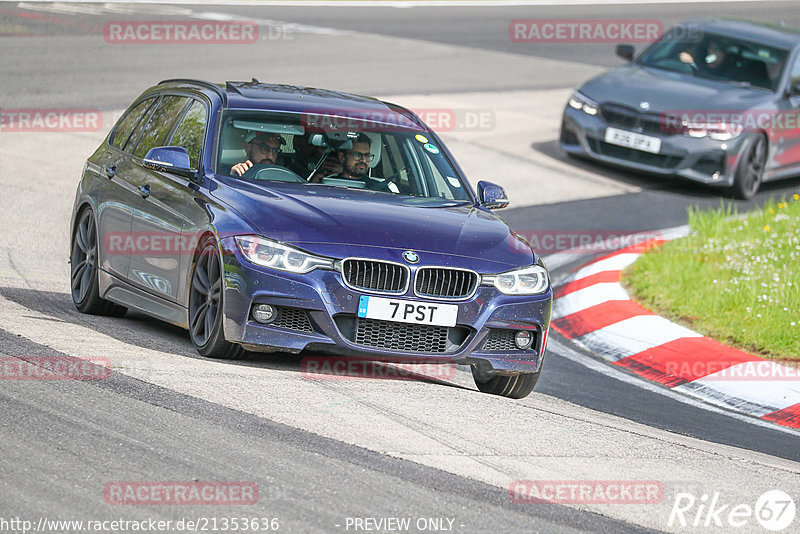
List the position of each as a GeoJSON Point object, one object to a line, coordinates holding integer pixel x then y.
{"type": "Point", "coordinates": [718, 57]}
{"type": "Point", "coordinates": [385, 157]}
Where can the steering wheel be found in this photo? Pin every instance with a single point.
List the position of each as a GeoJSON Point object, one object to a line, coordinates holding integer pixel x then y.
{"type": "Point", "coordinates": [383, 186]}
{"type": "Point", "coordinates": [269, 171]}
{"type": "Point", "coordinates": [678, 65]}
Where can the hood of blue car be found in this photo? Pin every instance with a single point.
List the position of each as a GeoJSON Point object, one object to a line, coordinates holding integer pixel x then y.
{"type": "Point", "coordinates": [341, 222]}
{"type": "Point", "coordinates": [665, 91]}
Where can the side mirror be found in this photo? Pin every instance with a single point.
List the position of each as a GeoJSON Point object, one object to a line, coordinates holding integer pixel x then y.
{"type": "Point", "coordinates": [626, 51]}
{"type": "Point", "coordinates": [171, 159]}
{"type": "Point", "coordinates": [492, 195]}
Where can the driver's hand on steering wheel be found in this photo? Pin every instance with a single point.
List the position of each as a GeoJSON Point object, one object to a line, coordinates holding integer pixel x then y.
{"type": "Point", "coordinates": [241, 168]}
{"type": "Point", "coordinates": [686, 57]}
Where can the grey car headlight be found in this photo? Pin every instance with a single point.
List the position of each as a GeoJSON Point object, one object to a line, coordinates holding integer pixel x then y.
{"type": "Point", "coordinates": [716, 131]}
{"type": "Point", "coordinates": [531, 280]}
{"type": "Point", "coordinates": [582, 102]}
{"type": "Point", "coordinates": [268, 253]}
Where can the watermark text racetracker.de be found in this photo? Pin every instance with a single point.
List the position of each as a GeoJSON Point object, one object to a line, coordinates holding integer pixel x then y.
{"type": "Point", "coordinates": [173, 493]}
{"type": "Point", "coordinates": [586, 491]}
{"type": "Point", "coordinates": [191, 32]}
{"type": "Point", "coordinates": [349, 368]}
{"type": "Point", "coordinates": [725, 123]}
{"type": "Point", "coordinates": [42, 120]}
{"type": "Point", "coordinates": [54, 368]}
{"type": "Point", "coordinates": [737, 371]}
{"type": "Point", "coordinates": [442, 120]}
{"type": "Point", "coordinates": [585, 30]}
{"type": "Point", "coordinates": [147, 525]}
{"type": "Point", "coordinates": [583, 241]}
{"type": "Point", "coordinates": [150, 243]}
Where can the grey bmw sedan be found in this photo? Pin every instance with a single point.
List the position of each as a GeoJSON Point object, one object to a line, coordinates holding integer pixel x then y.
{"type": "Point", "coordinates": [713, 101]}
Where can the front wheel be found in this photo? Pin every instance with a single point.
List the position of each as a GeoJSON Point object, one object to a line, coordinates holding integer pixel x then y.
{"type": "Point", "coordinates": [514, 386]}
{"type": "Point", "coordinates": [750, 170]}
{"type": "Point", "coordinates": [205, 306]}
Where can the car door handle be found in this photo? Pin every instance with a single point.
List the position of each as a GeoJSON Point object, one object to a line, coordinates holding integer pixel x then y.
{"type": "Point", "coordinates": [144, 190]}
{"type": "Point", "coordinates": [111, 171]}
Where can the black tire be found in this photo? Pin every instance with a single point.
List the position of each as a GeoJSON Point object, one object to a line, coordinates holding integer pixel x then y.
{"type": "Point", "coordinates": [83, 270]}
{"type": "Point", "coordinates": [205, 306]}
{"type": "Point", "coordinates": [750, 170]}
{"type": "Point", "coordinates": [515, 386]}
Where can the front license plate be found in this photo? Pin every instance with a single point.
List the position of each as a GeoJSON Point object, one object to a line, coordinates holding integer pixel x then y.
{"type": "Point", "coordinates": [406, 311]}
{"type": "Point", "coordinates": [633, 140]}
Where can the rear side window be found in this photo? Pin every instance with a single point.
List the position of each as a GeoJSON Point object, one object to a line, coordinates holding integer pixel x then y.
{"type": "Point", "coordinates": [129, 122]}
{"type": "Point", "coordinates": [160, 124]}
{"type": "Point", "coordinates": [191, 131]}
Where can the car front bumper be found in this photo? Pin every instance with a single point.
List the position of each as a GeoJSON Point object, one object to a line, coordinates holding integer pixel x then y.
{"type": "Point", "coordinates": [703, 160]}
{"type": "Point", "coordinates": [317, 313]}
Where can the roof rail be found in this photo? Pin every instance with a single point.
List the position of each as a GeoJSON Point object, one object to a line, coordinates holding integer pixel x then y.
{"type": "Point", "coordinates": [214, 87]}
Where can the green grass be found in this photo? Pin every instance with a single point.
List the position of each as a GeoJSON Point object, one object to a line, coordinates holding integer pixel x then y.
{"type": "Point", "coordinates": [734, 279]}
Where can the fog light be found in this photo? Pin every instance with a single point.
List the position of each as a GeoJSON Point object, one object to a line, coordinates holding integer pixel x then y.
{"type": "Point", "coordinates": [264, 313]}
{"type": "Point", "coordinates": [523, 339]}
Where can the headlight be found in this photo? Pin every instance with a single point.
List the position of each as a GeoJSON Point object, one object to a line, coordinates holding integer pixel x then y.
{"type": "Point", "coordinates": [580, 101]}
{"type": "Point", "coordinates": [274, 255]}
{"type": "Point", "coordinates": [526, 281]}
{"type": "Point", "coordinates": [718, 132]}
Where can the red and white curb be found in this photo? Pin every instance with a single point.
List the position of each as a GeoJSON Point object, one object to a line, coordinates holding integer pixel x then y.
{"type": "Point", "coordinates": [594, 311]}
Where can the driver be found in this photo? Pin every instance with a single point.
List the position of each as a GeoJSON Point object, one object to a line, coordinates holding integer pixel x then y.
{"type": "Point", "coordinates": [355, 165]}
{"type": "Point", "coordinates": [355, 162]}
{"type": "Point", "coordinates": [260, 148]}
{"type": "Point", "coordinates": [712, 61]}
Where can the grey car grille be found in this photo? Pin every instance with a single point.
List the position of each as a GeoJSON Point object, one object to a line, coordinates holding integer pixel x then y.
{"type": "Point", "coordinates": [630, 119]}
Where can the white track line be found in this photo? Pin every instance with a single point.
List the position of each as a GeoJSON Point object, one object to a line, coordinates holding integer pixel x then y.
{"type": "Point", "coordinates": [632, 336]}
{"type": "Point", "coordinates": [653, 387]}
{"type": "Point", "coordinates": [588, 297]}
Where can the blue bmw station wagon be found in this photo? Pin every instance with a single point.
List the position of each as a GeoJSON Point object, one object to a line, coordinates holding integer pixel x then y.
{"type": "Point", "coordinates": [266, 217]}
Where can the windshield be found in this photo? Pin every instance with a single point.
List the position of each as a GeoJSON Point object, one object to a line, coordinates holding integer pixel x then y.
{"type": "Point", "coordinates": [323, 150]}
{"type": "Point", "coordinates": [718, 57]}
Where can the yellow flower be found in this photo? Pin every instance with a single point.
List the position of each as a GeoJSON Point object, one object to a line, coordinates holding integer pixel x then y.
{"type": "Point", "coordinates": [771, 210]}
{"type": "Point", "coordinates": [766, 228]}
{"type": "Point", "coordinates": [780, 205]}
{"type": "Point", "coordinates": [796, 196]}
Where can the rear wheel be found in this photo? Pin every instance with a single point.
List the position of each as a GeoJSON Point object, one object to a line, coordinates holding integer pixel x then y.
{"type": "Point", "coordinates": [514, 386]}
{"type": "Point", "coordinates": [205, 307]}
{"type": "Point", "coordinates": [84, 262]}
{"type": "Point", "coordinates": [750, 170]}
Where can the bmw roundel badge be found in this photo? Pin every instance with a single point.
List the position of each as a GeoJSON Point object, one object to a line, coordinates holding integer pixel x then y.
{"type": "Point", "coordinates": [410, 256]}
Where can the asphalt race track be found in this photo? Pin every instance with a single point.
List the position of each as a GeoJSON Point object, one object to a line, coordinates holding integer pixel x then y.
{"type": "Point", "coordinates": [347, 455]}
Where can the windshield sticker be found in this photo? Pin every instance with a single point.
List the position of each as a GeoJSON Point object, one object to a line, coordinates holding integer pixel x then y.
{"type": "Point", "coordinates": [454, 181]}
{"type": "Point", "coordinates": [431, 148]}
{"type": "Point", "coordinates": [421, 138]}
